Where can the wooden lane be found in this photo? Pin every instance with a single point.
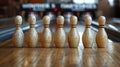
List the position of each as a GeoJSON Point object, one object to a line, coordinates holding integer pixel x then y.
{"type": "Point", "coordinates": [61, 57]}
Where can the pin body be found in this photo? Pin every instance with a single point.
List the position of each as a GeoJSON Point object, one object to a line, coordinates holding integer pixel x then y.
{"type": "Point", "coordinates": [60, 36]}
{"type": "Point", "coordinates": [46, 36]}
{"type": "Point", "coordinates": [31, 37]}
{"type": "Point", "coordinates": [73, 35]}
{"type": "Point", "coordinates": [18, 36]}
{"type": "Point", "coordinates": [87, 37]}
{"type": "Point", "coordinates": [101, 37]}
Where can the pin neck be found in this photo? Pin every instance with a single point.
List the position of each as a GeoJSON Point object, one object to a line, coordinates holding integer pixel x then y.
{"type": "Point", "coordinates": [101, 26]}
{"type": "Point", "coordinates": [73, 26]}
{"type": "Point", "coordinates": [60, 25]}
{"type": "Point", "coordinates": [17, 26]}
{"type": "Point", "coordinates": [32, 25]}
{"type": "Point", "coordinates": [88, 26]}
{"type": "Point", "coordinates": [46, 25]}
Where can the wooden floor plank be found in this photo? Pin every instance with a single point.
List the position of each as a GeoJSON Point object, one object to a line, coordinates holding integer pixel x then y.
{"type": "Point", "coordinates": [61, 57]}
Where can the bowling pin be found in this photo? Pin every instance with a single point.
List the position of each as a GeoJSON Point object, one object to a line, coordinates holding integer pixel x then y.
{"type": "Point", "coordinates": [101, 37]}
{"type": "Point", "coordinates": [73, 35]}
{"type": "Point", "coordinates": [46, 35]}
{"type": "Point", "coordinates": [18, 36]}
{"type": "Point", "coordinates": [87, 37]}
{"type": "Point", "coordinates": [60, 36]}
{"type": "Point", "coordinates": [31, 36]}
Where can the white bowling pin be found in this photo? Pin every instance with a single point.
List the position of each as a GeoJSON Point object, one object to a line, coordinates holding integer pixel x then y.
{"type": "Point", "coordinates": [87, 37]}
{"type": "Point", "coordinates": [46, 35]}
{"type": "Point", "coordinates": [18, 36]}
{"type": "Point", "coordinates": [101, 37]}
{"type": "Point", "coordinates": [60, 36]}
{"type": "Point", "coordinates": [31, 36]}
{"type": "Point", "coordinates": [73, 35]}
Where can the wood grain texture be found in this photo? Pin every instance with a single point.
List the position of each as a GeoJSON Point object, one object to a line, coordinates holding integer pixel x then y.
{"type": "Point", "coordinates": [31, 38]}
{"type": "Point", "coordinates": [60, 38]}
{"type": "Point", "coordinates": [73, 35]}
{"type": "Point", "coordinates": [46, 38]}
{"type": "Point", "coordinates": [59, 35]}
{"type": "Point", "coordinates": [87, 38]}
{"type": "Point", "coordinates": [73, 38]}
{"type": "Point", "coordinates": [18, 38]}
{"type": "Point", "coordinates": [61, 57]}
{"type": "Point", "coordinates": [101, 38]}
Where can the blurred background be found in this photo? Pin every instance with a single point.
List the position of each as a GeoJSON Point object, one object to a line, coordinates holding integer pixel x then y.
{"type": "Point", "coordinates": [95, 8]}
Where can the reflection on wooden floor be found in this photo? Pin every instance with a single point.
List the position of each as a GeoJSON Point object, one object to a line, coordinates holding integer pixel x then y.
{"type": "Point", "coordinates": [61, 57]}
